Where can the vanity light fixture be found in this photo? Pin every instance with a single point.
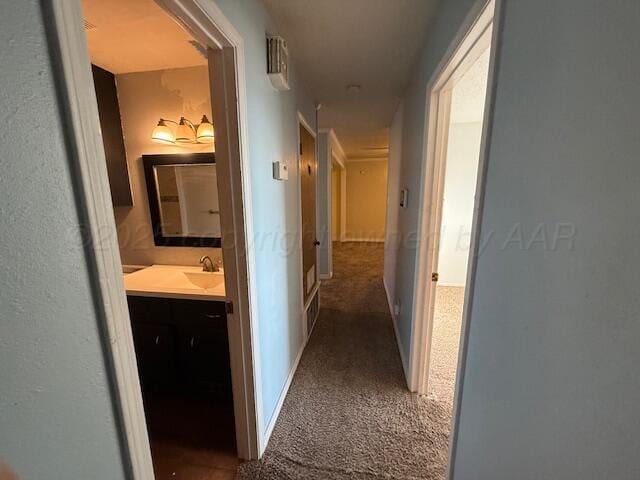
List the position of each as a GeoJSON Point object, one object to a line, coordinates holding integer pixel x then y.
{"type": "Point", "coordinates": [187, 132]}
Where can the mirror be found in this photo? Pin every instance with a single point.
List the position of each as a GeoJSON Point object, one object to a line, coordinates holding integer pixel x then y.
{"type": "Point", "coordinates": [183, 199]}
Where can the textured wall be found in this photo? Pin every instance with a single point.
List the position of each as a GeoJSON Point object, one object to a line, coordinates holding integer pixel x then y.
{"type": "Point", "coordinates": [552, 379]}
{"type": "Point", "coordinates": [272, 133]}
{"type": "Point", "coordinates": [322, 210]}
{"type": "Point", "coordinates": [463, 153]}
{"type": "Point", "coordinates": [336, 192]}
{"type": "Point", "coordinates": [56, 411]}
{"type": "Point", "coordinates": [144, 97]}
{"type": "Point", "coordinates": [449, 18]}
{"type": "Point", "coordinates": [366, 200]}
{"type": "Point", "coordinates": [392, 241]}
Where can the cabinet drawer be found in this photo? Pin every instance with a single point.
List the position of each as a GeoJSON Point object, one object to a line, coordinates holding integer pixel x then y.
{"type": "Point", "coordinates": [212, 314]}
{"type": "Point", "coordinates": [149, 310]}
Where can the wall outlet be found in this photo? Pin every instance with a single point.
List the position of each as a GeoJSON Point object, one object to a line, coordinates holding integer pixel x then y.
{"type": "Point", "coordinates": [396, 308]}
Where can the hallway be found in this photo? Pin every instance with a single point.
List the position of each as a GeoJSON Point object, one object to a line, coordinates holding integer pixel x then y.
{"type": "Point", "coordinates": [348, 413]}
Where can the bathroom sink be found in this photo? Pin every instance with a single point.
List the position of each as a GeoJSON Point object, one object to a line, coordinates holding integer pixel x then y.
{"type": "Point", "coordinates": [176, 281]}
{"type": "Point", "coordinates": [204, 279]}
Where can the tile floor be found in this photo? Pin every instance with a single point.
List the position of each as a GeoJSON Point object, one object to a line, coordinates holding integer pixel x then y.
{"type": "Point", "coordinates": [192, 439]}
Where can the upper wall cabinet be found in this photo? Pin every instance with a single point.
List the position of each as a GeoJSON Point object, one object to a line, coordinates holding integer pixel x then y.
{"type": "Point", "coordinates": [109, 111]}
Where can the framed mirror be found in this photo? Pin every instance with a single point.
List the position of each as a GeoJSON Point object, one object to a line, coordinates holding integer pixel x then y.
{"type": "Point", "coordinates": [183, 199]}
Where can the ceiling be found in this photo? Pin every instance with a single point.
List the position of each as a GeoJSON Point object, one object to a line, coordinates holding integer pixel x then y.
{"type": "Point", "coordinates": [468, 96]}
{"type": "Point", "coordinates": [374, 43]}
{"type": "Point", "coordinates": [136, 36]}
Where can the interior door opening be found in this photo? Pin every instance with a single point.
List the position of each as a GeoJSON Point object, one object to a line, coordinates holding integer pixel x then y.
{"type": "Point", "coordinates": [459, 99]}
{"type": "Point", "coordinates": [460, 178]}
{"type": "Point", "coordinates": [144, 85]}
{"type": "Point", "coordinates": [155, 106]}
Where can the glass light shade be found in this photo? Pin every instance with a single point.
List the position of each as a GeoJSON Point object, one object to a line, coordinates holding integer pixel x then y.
{"type": "Point", "coordinates": [163, 134]}
{"type": "Point", "coordinates": [185, 133]}
{"type": "Point", "coordinates": [205, 133]}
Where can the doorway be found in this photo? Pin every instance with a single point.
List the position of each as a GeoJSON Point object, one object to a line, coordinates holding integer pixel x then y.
{"type": "Point", "coordinates": [220, 47]}
{"type": "Point", "coordinates": [453, 188]}
{"type": "Point", "coordinates": [460, 168]}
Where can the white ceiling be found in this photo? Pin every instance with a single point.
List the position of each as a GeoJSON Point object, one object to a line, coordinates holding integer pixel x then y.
{"type": "Point", "coordinates": [468, 96]}
{"type": "Point", "coordinates": [375, 43]}
{"type": "Point", "coordinates": [136, 36]}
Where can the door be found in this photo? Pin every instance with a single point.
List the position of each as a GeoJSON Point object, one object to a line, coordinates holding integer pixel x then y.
{"type": "Point", "coordinates": [308, 171]}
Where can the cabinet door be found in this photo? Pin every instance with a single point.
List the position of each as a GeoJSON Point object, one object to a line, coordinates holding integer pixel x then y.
{"type": "Point", "coordinates": [112, 138]}
{"type": "Point", "coordinates": [156, 352]}
{"type": "Point", "coordinates": [203, 345]}
{"type": "Point", "coordinates": [204, 356]}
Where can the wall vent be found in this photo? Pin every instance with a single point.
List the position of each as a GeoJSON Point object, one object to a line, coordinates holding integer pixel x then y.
{"type": "Point", "coordinates": [312, 312]}
{"type": "Point", "coordinates": [89, 25]}
{"type": "Point", "coordinates": [278, 62]}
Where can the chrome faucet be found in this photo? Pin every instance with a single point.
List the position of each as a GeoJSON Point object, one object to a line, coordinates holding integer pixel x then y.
{"type": "Point", "coordinates": [209, 265]}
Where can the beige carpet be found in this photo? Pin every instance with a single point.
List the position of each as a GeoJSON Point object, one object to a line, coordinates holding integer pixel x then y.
{"type": "Point", "coordinates": [445, 343]}
{"type": "Point", "coordinates": [348, 414]}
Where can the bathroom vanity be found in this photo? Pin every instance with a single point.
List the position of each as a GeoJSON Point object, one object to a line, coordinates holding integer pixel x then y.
{"type": "Point", "coordinates": [179, 322]}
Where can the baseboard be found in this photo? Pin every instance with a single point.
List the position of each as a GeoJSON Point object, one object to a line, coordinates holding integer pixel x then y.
{"type": "Point", "coordinates": [405, 368]}
{"type": "Point", "coordinates": [326, 276]}
{"type": "Point", "coordinates": [370, 240]}
{"type": "Point", "coordinates": [276, 413]}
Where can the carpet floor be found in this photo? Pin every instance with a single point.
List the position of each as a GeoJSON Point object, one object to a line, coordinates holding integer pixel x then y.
{"type": "Point", "coordinates": [445, 342]}
{"type": "Point", "coordinates": [348, 413]}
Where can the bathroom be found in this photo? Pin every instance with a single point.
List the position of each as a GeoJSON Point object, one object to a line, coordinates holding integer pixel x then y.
{"type": "Point", "coordinates": [153, 93]}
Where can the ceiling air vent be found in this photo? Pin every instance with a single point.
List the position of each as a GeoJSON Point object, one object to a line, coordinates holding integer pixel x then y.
{"type": "Point", "coordinates": [88, 25]}
{"type": "Point", "coordinates": [278, 62]}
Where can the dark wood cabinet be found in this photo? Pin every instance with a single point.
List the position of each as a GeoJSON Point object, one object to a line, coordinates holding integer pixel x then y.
{"type": "Point", "coordinates": [181, 345]}
{"type": "Point", "coordinates": [156, 354]}
{"type": "Point", "coordinates": [112, 137]}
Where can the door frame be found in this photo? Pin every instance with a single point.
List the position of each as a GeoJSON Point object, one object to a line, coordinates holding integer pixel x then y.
{"type": "Point", "coordinates": [481, 29]}
{"type": "Point", "coordinates": [67, 41]}
{"type": "Point", "coordinates": [335, 153]}
{"type": "Point", "coordinates": [303, 123]}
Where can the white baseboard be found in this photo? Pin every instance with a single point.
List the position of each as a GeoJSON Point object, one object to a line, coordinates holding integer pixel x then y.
{"type": "Point", "coordinates": [326, 276]}
{"type": "Point", "coordinates": [283, 395]}
{"type": "Point", "coordinates": [371, 240]}
{"type": "Point", "coordinates": [405, 368]}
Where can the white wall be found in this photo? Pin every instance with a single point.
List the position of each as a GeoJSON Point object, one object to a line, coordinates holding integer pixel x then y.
{"type": "Point", "coordinates": [366, 200]}
{"type": "Point", "coordinates": [392, 240]}
{"type": "Point", "coordinates": [144, 97]}
{"type": "Point", "coordinates": [408, 142]}
{"type": "Point", "coordinates": [552, 379]}
{"type": "Point", "coordinates": [57, 416]}
{"type": "Point", "coordinates": [272, 135]}
{"type": "Point", "coordinates": [323, 212]}
{"type": "Point", "coordinates": [329, 148]}
{"type": "Point", "coordinates": [551, 373]}
{"type": "Point", "coordinates": [463, 152]}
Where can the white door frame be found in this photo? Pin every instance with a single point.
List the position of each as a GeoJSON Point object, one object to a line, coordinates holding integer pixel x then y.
{"type": "Point", "coordinates": [480, 31]}
{"type": "Point", "coordinates": [439, 109]}
{"type": "Point", "coordinates": [208, 25]}
{"type": "Point", "coordinates": [336, 154]}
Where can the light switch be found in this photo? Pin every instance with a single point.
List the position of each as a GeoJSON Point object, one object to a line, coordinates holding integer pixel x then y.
{"type": "Point", "coordinates": [280, 171]}
{"type": "Point", "coordinates": [404, 198]}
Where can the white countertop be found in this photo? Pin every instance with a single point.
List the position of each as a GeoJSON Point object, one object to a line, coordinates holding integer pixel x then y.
{"type": "Point", "coordinates": [173, 281]}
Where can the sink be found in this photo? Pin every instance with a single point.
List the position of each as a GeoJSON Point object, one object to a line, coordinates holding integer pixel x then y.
{"type": "Point", "coordinates": [204, 279]}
